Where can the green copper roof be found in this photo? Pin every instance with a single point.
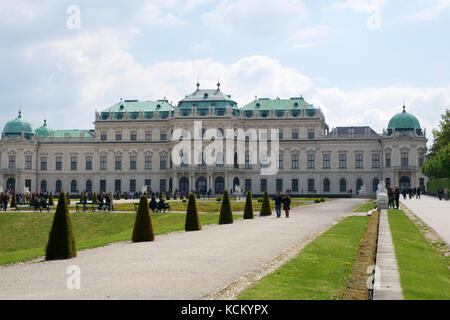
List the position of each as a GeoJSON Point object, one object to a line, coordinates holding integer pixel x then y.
{"type": "Point", "coordinates": [72, 134]}
{"type": "Point", "coordinates": [16, 127]}
{"type": "Point", "coordinates": [278, 104]}
{"type": "Point", "coordinates": [44, 131]}
{"type": "Point", "coordinates": [133, 107]}
{"type": "Point", "coordinates": [404, 121]}
{"type": "Point", "coordinates": [206, 98]}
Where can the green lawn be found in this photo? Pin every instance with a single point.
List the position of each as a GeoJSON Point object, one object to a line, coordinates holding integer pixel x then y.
{"type": "Point", "coordinates": [365, 207]}
{"type": "Point", "coordinates": [423, 273]}
{"type": "Point", "coordinates": [321, 269]}
{"type": "Point", "coordinates": [24, 236]}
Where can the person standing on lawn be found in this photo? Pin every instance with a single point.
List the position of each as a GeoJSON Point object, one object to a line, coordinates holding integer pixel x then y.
{"type": "Point", "coordinates": [397, 197]}
{"type": "Point", "coordinates": [278, 201]}
{"type": "Point", "coordinates": [390, 195]}
{"type": "Point", "coordinates": [287, 204]}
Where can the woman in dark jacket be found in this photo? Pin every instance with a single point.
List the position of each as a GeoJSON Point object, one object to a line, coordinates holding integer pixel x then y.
{"type": "Point", "coordinates": [287, 204]}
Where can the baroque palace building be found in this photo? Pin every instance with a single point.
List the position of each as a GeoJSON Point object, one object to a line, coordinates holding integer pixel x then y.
{"type": "Point", "coordinates": [131, 145]}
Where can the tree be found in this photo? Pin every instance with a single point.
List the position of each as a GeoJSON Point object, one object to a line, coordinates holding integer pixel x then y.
{"type": "Point", "coordinates": [61, 242]}
{"type": "Point", "coordinates": [143, 226]}
{"type": "Point", "coordinates": [442, 134]}
{"type": "Point", "coordinates": [248, 210]}
{"type": "Point", "coordinates": [226, 215]}
{"type": "Point", "coordinates": [266, 210]}
{"type": "Point", "coordinates": [192, 217]}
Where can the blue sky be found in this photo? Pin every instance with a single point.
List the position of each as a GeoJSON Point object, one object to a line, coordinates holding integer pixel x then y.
{"type": "Point", "coordinates": [356, 59]}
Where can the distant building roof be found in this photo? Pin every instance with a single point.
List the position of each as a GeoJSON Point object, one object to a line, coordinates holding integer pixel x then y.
{"type": "Point", "coordinates": [360, 132]}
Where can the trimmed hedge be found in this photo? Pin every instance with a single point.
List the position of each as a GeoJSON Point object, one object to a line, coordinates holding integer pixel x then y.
{"type": "Point", "coordinates": [192, 217]}
{"type": "Point", "coordinates": [143, 226]}
{"type": "Point", "coordinates": [266, 210]}
{"type": "Point", "coordinates": [226, 215]}
{"type": "Point", "coordinates": [61, 242]}
{"type": "Point", "coordinates": [248, 210]}
{"type": "Point", "coordinates": [433, 185]}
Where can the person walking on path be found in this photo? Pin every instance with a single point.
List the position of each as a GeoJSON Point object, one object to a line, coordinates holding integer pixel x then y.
{"type": "Point", "coordinates": [397, 197]}
{"type": "Point", "coordinates": [390, 195]}
{"type": "Point", "coordinates": [5, 201]}
{"type": "Point", "coordinates": [287, 204]}
{"type": "Point", "coordinates": [440, 193]}
{"type": "Point", "coordinates": [278, 201]}
{"type": "Point", "coordinates": [404, 193]}
{"type": "Point", "coordinates": [418, 193]}
{"type": "Point", "coordinates": [446, 194]}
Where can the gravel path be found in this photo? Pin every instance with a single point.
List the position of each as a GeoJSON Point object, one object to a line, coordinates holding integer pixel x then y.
{"type": "Point", "coordinates": [179, 265]}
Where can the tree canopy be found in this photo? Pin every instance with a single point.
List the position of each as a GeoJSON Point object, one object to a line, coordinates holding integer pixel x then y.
{"type": "Point", "coordinates": [438, 162]}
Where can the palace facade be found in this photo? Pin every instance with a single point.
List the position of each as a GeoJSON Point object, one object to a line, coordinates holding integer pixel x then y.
{"type": "Point", "coordinates": [130, 147]}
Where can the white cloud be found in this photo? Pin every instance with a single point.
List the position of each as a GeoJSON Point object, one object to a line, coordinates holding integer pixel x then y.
{"type": "Point", "coordinates": [256, 17]}
{"type": "Point", "coordinates": [432, 12]}
{"type": "Point", "coordinates": [202, 47]}
{"type": "Point", "coordinates": [367, 6]}
{"type": "Point", "coordinates": [310, 37]}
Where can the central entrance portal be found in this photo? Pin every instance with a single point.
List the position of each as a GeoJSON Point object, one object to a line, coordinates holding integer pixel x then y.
{"type": "Point", "coordinates": [201, 185]}
{"type": "Point", "coordinates": [184, 185]}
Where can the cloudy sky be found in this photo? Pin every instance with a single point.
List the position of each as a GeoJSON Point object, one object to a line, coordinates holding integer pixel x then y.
{"type": "Point", "coordinates": [356, 59]}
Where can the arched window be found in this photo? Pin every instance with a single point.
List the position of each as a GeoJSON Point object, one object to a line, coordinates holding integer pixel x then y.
{"type": "Point", "coordinates": [58, 186]}
{"type": "Point", "coordinates": [44, 185]}
{"type": "Point", "coordinates": [326, 185]}
{"type": "Point", "coordinates": [184, 185]}
{"type": "Point", "coordinates": [342, 185]}
{"type": "Point", "coordinates": [73, 186]}
{"type": "Point", "coordinates": [375, 183]}
{"type": "Point", "coordinates": [359, 184]}
{"type": "Point", "coordinates": [219, 185]}
{"type": "Point", "coordinates": [88, 186]}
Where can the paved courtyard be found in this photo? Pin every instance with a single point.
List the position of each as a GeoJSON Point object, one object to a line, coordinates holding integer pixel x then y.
{"type": "Point", "coordinates": [180, 265]}
{"type": "Point", "coordinates": [433, 212]}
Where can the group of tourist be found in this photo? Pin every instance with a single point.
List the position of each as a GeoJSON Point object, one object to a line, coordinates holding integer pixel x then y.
{"type": "Point", "coordinates": [441, 193]}
{"type": "Point", "coordinates": [282, 201]}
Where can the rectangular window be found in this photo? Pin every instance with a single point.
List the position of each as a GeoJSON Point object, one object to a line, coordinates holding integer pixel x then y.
{"type": "Point", "coordinates": [311, 134]}
{"type": "Point", "coordinates": [148, 162]}
{"type": "Point", "coordinates": [117, 185]}
{"type": "Point", "coordinates": [163, 162]}
{"type": "Point", "coordinates": [310, 161]}
{"type": "Point", "coordinates": [103, 136]}
{"type": "Point", "coordinates": [73, 163]}
{"type": "Point", "coordinates": [311, 185]}
{"type": "Point", "coordinates": [103, 162]}
{"type": "Point", "coordinates": [375, 161]}
{"type": "Point", "coordinates": [342, 161]}
{"type": "Point", "coordinates": [247, 162]}
{"type": "Point", "coordinates": [326, 161]}
{"type": "Point", "coordinates": [27, 162]}
{"type": "Point", "coordinates": [388, 160]}
{"type": "Point", "coordinates": [132, 185]}
{"type": "Point", "coordinates": [280, 134]}
{"type": "Point", "coordinates": [279, 185]}
{"type": "Point", "coordinates": [163, 135]}
{"type": "Point", "coordinates": [118, 136]}
{"type": "Point", "coordinates": [12, 162]}
{"type": "Point", "coordinates": [421, 182]}
{"type": "Point", "coordinates": [248, 184]}
{"type": "Point", "coordinates": [103, 185]}
{"type": "Point", "coordinates": [420, 159]}
{"type": "Point", "coordinates": [133, 162]}
{"type": "Point", "coordinates": [88, 162]}
{"type": "Point", "coordinates": [295, 161]}
{"type": "Point", "coordinates": [359, 160]}
{"type": "Point", "coordinates": [118, 163]}
{"type": "Point", "coordinates": [28, 184]}
{"type": "Point", "coordinates": [280, 161]}
{"type": "Point", "coordinates": [404, 159]}
{"type": "Point", "coordinates": [263, 185]}
{"type": "Point", "coordinates": [133, 136]}
{"type": "Point", "coordinates": [148, 135]}
{"type": "Point", "coordinates": [162, 185]}
{"type": "Point", "coordinates": [148, 183]}
{"type": "Point", "coordinates": [294, 185]}
{"type": "Point", "coordinates": [326, 185]}
{"type": "Point", "coordinates": [294, 133]}
{"type": "Point", "coordinates": [59, 163]}
{"type": "Point", "coordinates": [44, 163]}
{"type": "Point", "coordinates": [388, 183]}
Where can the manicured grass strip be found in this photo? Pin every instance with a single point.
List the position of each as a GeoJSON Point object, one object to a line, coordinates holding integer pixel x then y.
{"type": "Point", "coordinates": [319, 272]}
{"type": "Point", "coordinates": [424, 275]}
{"type": "Point", "coordinates": [23, 236]}
{"type": "Point", "coordinates": [365, 207]}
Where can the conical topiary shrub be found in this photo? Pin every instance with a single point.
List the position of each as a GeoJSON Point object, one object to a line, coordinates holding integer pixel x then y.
{"type": "Point", "coordinates": [143, 226]}
{"type": "Point", "coordinates": [51, 202]}
{"type": "Point", "coordinates": [82, 197]}
{"type": "Point", "coordinates": [266, 210]}
{"type": "Point", "coordinates": [226, 215]}
{"type": "Point", "coordinates": [13, 200]}
{"type": "Point", "coordinates": [94, 197]}
{"type": "Point", "coordinates": [61, 243]}
{"type": "Point", "coordinates": [192, 217]}
{"type": "Point", "coordinates": [248, 210]}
